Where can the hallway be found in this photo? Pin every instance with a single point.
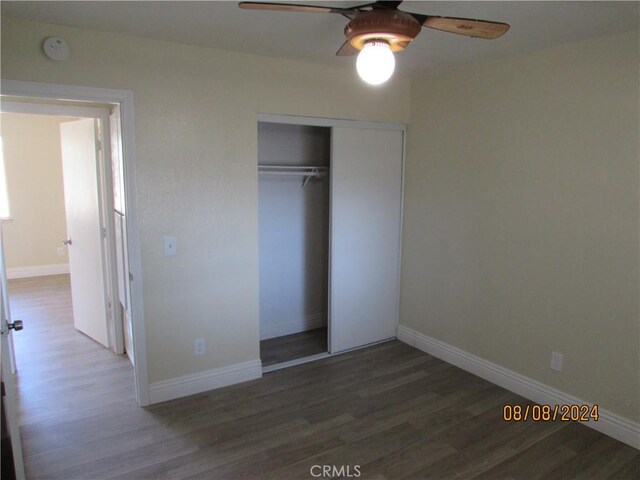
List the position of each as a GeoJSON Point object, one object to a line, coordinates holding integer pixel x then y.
{"type": "Point", "coordinates": [65, 380]}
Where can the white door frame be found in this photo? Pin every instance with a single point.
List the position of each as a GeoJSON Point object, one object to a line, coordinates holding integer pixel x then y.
{"type": "Point", "coordinates": [124, 98]}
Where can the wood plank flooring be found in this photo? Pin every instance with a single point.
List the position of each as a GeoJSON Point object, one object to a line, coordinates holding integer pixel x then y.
{"type": "Point", "coordinates": [391, 410]}
{"type": "Point", "coordinates": [291, 347]}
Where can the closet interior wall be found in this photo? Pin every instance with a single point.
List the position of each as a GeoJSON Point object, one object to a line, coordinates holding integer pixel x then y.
{"type": "Point", "coordinates": [293, 230]}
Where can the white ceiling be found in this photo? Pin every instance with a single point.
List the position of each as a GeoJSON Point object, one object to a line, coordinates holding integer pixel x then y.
{"type": "Point", "coordinates": [316, 37]}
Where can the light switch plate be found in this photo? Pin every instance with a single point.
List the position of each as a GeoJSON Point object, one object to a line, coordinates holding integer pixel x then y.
{"type": "Point", "coordinates": [170, 246]}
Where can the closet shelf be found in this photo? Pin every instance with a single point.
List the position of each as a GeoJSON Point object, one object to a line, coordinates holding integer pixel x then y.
{"type": "Point", "coordinates": [307, 172]}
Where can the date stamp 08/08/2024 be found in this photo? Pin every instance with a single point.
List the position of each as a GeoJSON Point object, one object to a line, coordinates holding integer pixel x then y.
{"type": "Point", "coordinates": [550, 413]}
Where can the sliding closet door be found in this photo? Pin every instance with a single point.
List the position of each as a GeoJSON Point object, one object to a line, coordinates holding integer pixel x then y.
{"type": "Point", "coordinates": [366, 201]}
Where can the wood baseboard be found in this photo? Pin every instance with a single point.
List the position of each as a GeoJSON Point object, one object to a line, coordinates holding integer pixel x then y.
{"type": "Point", "coordinates": [609, 423]}
{"type": "Point", "coordinates": [204, 381]}
{"type": "Point", "coordinates": [37, 271]}
{"type": "Point", "coordinates": [311, 322]}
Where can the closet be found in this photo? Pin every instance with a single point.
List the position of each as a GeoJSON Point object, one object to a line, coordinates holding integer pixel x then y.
{"type": "Point", "coordinates": [293, 186]}
{"type": "Point", "coordinates": [330, 204]}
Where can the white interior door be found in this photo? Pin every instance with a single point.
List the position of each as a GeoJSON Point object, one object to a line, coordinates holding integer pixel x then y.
{"type": "Point", "coordinates": [366, 203]}
{"type": "Point", "coordinates": [84, 227]}
{"type": "Point", "coordinates": [9, 409]}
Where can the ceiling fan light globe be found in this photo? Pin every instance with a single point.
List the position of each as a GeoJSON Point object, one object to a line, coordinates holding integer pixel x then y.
{"type": "Point", "coordinates": [375, 63]}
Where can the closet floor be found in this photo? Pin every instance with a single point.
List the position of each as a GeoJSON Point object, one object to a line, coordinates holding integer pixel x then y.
{"type": "Point", "coordinates": [290, 347]}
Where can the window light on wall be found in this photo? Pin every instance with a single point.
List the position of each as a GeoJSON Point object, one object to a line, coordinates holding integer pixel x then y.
{"type": "Point", "coordinates": [5, 213]}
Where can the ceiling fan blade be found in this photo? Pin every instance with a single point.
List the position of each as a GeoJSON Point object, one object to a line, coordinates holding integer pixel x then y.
{"type": "Point", "coordinates": [347, 50]}
{"type": "Point", "coordinates": [388, 5]}
{"type": "Point", "coordinates": [466, 26]}
{"type": "Point", "coordinates": [290, 7]}
{"type": "Point", "coordinates": [377, 6]}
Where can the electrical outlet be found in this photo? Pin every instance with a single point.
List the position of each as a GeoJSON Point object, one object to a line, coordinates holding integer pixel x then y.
{"type": "Point", "coordinates": [557, 359]}
{"type": "Point", "coordinates": [169, 246]}
{"type": "Point", "coordinates": [199, 346]}
{"type": "Point", "coordinates": [60, 251]}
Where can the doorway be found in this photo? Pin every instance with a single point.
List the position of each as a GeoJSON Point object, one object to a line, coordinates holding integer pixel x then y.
{"type": "Point", "coordinates": [59, 217]}
{"type": "Point", "coordinates": [49, 98]}
{"type": "Point", "coordinates": [58, 213]}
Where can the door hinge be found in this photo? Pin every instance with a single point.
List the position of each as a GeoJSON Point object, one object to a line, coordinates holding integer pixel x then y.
{"type": "Point", "coordinates": [104, 233]}
{"type": "Point", "coordinates": [130, 277]}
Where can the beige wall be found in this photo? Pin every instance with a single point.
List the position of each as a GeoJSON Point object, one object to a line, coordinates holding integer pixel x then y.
{"type": "Point", "coordinates": [31, 145]}
{"type": "Point", "coordinates": [521, 216]}
{"type": "Point", "coordinates": [196, 134]}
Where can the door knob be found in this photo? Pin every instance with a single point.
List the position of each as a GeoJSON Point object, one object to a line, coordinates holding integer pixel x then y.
{"type": "Point", "coordinates": [15, 325]}
{"type": "Point", "coordinates": [67, 241]}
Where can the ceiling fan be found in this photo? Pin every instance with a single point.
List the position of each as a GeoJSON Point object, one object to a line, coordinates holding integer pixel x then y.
{"type": "Point", "coordinates": [376, 30]}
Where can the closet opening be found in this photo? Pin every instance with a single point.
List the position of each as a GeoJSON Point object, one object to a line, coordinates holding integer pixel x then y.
{"type": "Point", "coordinates": [294, 209]}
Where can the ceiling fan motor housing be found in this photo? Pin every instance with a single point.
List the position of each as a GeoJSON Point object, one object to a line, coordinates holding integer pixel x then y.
{"type": "Point", "coordinates": [396, 28]}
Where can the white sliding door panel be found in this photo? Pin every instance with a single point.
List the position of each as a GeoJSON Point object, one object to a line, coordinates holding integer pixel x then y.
{"type": "Point", "coordinates": [366, 202]}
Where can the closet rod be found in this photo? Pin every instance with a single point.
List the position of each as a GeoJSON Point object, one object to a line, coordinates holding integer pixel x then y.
{"type": "Point", "coordinates": [307, 172]}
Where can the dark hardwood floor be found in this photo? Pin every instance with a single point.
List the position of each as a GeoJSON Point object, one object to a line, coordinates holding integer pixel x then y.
{"type": "Point", "coordinates": [290, 347]}
{"type": "Point", "coordinates": [391, 410]}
